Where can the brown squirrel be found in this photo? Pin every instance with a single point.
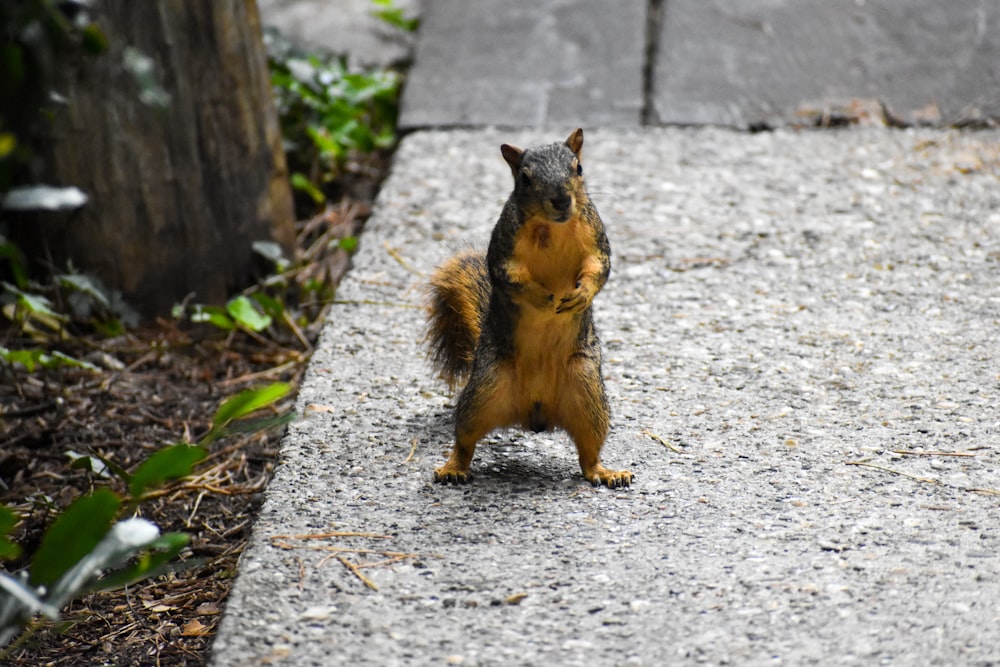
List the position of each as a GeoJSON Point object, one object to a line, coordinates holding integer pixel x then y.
{"type": "Point", "coordinates": [517, 322]}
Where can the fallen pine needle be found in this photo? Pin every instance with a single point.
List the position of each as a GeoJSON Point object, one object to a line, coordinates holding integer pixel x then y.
{"type": "Point", "coordinates": [926, 480]}
{"type": "Point", "coordinates": [985, 492]}
{"type": "Point", "coordinates": [906, 452]}
{"type": "Point", "coordinates": [323, 536]}
{"type": "Point", "coordinates": [260, 375]}
{"type": "Point", "coordinates": [342, 550]}
{"type": "Point", "coordinates": [661, 440]}
{"type": "Point", "coordinates": [865, 464]}
{"type": "Point", "coordinates": [399, 258]}
{"type": "Point", "coordinates": [413, 450]}
{"type": "Point", "coordinates": [354, 568]}
{"type": "Point", "coordinates": [296, 330]}
{"type": "Point", "coordinates": [388, 561]}
{"type": "Point", "coordinates": [371, 302]}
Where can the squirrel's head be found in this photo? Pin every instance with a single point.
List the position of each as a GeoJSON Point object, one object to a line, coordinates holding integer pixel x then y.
{"type": "Point", "coordinates": [548, 179]}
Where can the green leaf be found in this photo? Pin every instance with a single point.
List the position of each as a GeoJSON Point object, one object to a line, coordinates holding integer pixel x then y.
{"type": "Point", "coordinates": [248, 401]}
{"type": "Point", "coordinates": [8, 142]}
{"type": "Point", "coordinates": [212, 315]}
{"type": "Point", "coordinates": [330, 145]}
{"type": "Point", "coordinates": [149, 564]}
{"type": "Point", "coordinates": [348, 243]}
{"type": "Point", "coordinates": [34, 357]}
{"type": "Point", "coordinates": [300, 182]}
{"type": "Point", "coordinates": [91, 463]}
{"type": "Point", "coordinates": [244, 311]}
{"type": "Point", "coordinates": [94, 41]}
{"type": "Point", "coordinates": [9, 550]}
{"type": "Point", "coordinates": [12, 252]}
{"type": "Point", "coordinates": [60, 360]}
{"type": "Point", "coordinates": [74, 534]}
{"type": "Point", "coordinates": [86, 285]}
{"type": "Point", "coordinates": [271, 306]}
{"type": "Point", "coordinates": [33, 303]}
{"type": "Point", "coordinates": [271, 251]}
{"type": "Point", "coordinates": [396, 17]}
{"type": "Point", "coordinates": [170, 463]}
{"type": "Point", "coordinates": [118, 471]}
{"type": "Point", "coordinates": [30, 359]}
{"type": "Point", "coordinates": [262, 424]}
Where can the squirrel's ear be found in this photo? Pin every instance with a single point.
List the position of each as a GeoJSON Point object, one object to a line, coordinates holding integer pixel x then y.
{"type": "Point", "coordinates": [575, 141]}
{"type": "Point", "coordinates": [513, 155]}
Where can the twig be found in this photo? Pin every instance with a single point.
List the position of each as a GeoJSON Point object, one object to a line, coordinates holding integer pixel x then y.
{"type": "Point", "coordinates": [927, 480]}
{"type": "Point", "coordinates": [232, 530]}
{"type": "Point", "coordinates": [135, 614]}
{"type": "Point", "coordinates": [194, 510]}
{"type": "Point", "coordinates": [27, 412]}
{"type": "Point", "coordinates": [662, 441]}
{"type": "Point", "coordinates": [865, 464]}
{"type": "Point", "coordinates": [388, 557]}
{"type": "Point", "coordinates": [399, 258]}
{"type": "Point", "coordinates": [371, 302]}
{"type": "Point", "coordinates": [321, 536]}
{"type": "Point", "coordinates": [354, 568]}
{"type": "Point", "coordinates": [984, 492]}
{"type": "Point", "coordinates": [143, 360]}
{"type": "Point", "coordinates": [253, 377]}
{"type": "Point", "coordinates": [388, 561]}
{"type": "Point", "coordinates": [297, 331]}
{"type": "Point", "coordinates": [343, 550]}
{"type": "Point", "coordinates": [413, 450]}
{"type": "Point", "coordinates": [177, 491]}
{"type": "Point", "coordinates": [907, 452]}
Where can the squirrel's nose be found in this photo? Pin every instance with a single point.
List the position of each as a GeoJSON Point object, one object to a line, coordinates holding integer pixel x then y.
{"type": "Point", "coordinates": [561, 202]}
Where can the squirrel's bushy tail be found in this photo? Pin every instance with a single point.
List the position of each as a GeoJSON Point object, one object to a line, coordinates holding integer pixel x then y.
{"type": "Point", "coordinates": [459, 293]}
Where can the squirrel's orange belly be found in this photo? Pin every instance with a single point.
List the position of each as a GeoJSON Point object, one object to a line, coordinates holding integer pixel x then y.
{"type": "Point", "coordinates": [543, 347]}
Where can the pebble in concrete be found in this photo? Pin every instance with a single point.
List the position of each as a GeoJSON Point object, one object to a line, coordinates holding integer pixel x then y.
{"type": "Point", "coordinates": [799, 330]}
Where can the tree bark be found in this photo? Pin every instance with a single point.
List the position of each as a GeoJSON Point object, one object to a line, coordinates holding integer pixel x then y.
{"type": "Point", "coordinates": [178, 193]}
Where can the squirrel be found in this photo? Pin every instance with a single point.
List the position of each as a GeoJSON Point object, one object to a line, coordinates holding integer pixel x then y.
{"type": "Point", "coordinates": [516, 321]}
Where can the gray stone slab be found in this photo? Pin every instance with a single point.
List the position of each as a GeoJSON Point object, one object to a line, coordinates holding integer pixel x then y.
{"type": "Point", "coordinates": [342, 27]}
{"type": "Point", "coordinates": [781, 305]}
{"type": "Point", "coordinates": [744, 62]}
{"type": "Point", "coordinates": [527, 63]}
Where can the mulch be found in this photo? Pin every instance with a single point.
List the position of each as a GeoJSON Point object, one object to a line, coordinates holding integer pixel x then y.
{"type": "Point", "coordinates": [157, 386]}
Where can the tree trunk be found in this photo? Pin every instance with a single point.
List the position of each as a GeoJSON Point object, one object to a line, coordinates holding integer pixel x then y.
{"type": "Point", "coordinates": [178, 193]}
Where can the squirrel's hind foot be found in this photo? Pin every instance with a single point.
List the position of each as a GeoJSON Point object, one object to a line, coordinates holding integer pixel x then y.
{"type": "Point", "coordinates": [448, 474]}
{"type": "Point", "coordinates": [613, 479]}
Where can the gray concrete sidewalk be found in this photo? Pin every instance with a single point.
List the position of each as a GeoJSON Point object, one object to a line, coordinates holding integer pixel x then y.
{"type": "Point", "coordinates": [801, 343]}
{"type": "Point", "coordinates": [800, 335]}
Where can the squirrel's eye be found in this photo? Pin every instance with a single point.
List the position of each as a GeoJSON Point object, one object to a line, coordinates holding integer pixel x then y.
{"type": "Point", "coordinates": [525, 179]}
{"type": "Point", "coordinates": [579, 169]}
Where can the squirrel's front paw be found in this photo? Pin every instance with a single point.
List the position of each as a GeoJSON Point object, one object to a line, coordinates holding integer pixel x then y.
{"type": "Point", "coordinates": [574, 301]}
{"type": "Point", "coordinates": [544, 301]}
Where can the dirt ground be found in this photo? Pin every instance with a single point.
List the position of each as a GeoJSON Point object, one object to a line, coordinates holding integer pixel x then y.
{"type": "Point", "coordinates": [157, 386]}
